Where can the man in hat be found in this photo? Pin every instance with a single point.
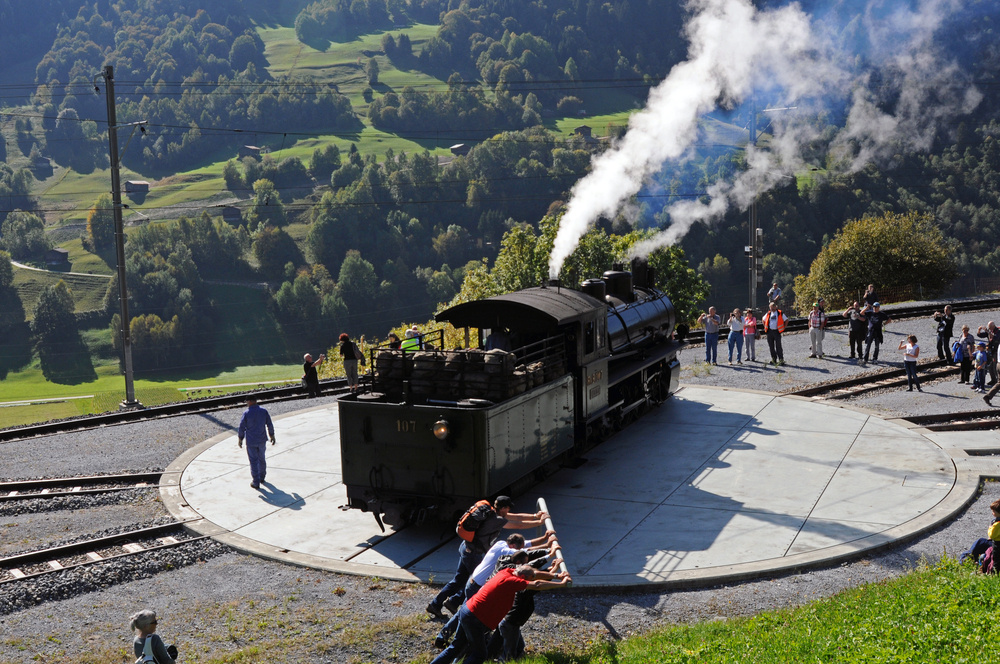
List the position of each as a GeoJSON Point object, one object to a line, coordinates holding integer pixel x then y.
{"type": "Point", "coordinates": [253, 424]}
{"type": "Point", "coordinates": [470, 554]}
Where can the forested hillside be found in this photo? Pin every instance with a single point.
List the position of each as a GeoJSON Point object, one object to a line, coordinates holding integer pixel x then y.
{"type": "Point", "coordinates": [365, 238]}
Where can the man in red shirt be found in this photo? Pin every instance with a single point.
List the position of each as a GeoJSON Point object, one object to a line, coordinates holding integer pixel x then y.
{"type": "Point", "coordinates": [483, 611]}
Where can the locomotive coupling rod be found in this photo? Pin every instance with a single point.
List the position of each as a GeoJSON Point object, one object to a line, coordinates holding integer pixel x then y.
{"type": "Point", "coordinates": [542, 507]}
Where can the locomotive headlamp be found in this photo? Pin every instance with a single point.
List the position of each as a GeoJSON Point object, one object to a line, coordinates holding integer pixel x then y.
{"type": "Point", "coordinates": [441, 429]}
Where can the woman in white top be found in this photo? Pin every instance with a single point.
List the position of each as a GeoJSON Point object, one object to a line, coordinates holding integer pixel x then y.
{"type": "Point", "coordinates": [750, 334]}
{"type": "Point", "coordinates": [736, 336]}
{"type": "Point", "coordinates": [911, 350]}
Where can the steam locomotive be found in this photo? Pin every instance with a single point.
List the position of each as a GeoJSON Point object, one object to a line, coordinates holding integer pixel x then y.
{"type": "Point", "coordinates": [553, 371]}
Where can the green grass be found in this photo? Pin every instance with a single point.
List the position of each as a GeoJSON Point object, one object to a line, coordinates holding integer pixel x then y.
{"type": "Point", "coordinates": [944, 613]}
{"type": "Point", "coordinates": [88, 292]}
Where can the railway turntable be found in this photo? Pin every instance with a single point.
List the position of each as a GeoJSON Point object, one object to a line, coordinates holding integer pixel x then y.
{"type": "Point", "coordinates": [714, 485]}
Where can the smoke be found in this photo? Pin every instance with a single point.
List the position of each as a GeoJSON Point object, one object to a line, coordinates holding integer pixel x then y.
{"type": "Point", "coordinates": [735, 50]}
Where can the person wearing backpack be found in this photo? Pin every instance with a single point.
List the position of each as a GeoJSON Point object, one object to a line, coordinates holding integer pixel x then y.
{"type": "Point", "coordinates": [471, 553]}
{"type": "Point", "coordinates": [147, 645]}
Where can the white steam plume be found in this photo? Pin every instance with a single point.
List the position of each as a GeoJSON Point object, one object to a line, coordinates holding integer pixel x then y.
{"type": "Point", "coordinates": [735, 48]}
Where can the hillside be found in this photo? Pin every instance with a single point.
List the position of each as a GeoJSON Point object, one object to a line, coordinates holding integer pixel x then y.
{"type": "Point", "coordinates": [354, 210]}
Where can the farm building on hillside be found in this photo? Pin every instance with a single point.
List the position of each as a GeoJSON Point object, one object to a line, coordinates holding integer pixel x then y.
{"type": "Point", "coordinates": [460, 149]}
{"type": "Point", "coordinates": [57, 258]}
{"type": "Point", "coordinates": [136, 187]}
{"type": "Point", "coordinates": [232, 215]}
{"type": "Point", "coordinates": [251, 151]}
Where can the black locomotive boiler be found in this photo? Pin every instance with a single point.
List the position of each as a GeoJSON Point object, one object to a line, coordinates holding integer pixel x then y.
{"type": "Point", "coordinates": [553, 369]}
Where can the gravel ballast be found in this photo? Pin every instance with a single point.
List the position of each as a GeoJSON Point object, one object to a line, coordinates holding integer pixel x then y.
{"type": "Point", "coordinates": [213, 602]}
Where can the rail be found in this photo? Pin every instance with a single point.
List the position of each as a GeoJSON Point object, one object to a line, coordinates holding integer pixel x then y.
{"type": "Point", "coordinates": [76, 486]}
{"type": "Point", "coordinates": [87, 552]}
{"type": "Point", "coordinates": [193, 406]}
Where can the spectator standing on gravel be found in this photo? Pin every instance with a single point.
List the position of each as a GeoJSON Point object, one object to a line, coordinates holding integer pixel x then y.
{"type": "Point", "coordinates": [352, 355]}
{"type": "Point", "coordinates": [470, 554]}
{"type": "Point", "coordinates": [876, 320]}
{"type": "Point", "coordinates": [967, 342]}
{"type": "Point", "coordinates": [992, 336]}
{"type": "Point", "coordinates": [857, 328]}
{"type": "Point", "coordinates": [750, 335]}
{"type": "Point", "coordinates": [979, 360]}
{"type": "Point", "coordinates": [870, 297]}
{"type": "Point", "coordinates": [774, 294]}
{"type": "Point", "coordinates": [736, 336]}
{"type": "Point", "coordinates": [255, 425]}
{"type": "Point", "coordinates": [945, 331]}
{"type": "Point", "coordinates": [483, 612]}
{"type": "Point", "coordinates": [712, 321]}
{"type": "Point", "coordinates": [817, 330]}
{"type": "Point", "coordinates": [774, 326]}
{"type": "Point", "coordinates": [309, 375]}
{"type": "Point", "coordinates": [147, 645]}
{"type": "Point", "coordinates": [911, 351]}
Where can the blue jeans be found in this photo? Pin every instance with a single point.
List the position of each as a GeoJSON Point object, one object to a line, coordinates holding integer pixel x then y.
{"type": "Point", "coordinates": [471, 588]}
{"type": "Point", "coordinates": [471, 638]}
{"type": "Point", "coordinates": [736, 339]}
{"type": "Point", "coordinates": [911, 374]}
{"type": "Point", "coordinates": [711, 346]}
{"type": "Point", "coordinates": [468, 561]}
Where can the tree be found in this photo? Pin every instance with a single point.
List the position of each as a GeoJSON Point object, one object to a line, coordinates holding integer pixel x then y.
{"type": "Point", "coordinates": [6, 270]}
{"type": "Point", "coordinates": [357, 283]}
{"type": "Point", "coordinates": [265, 207]}
{"type": "Point", "coordinates": [371, 71]}
{"type": "Point", "coordinates": [231, 175]}
{"type": "Point", "coordinates": [23, 234]}
{"type": "Point", "coordinates": [273, 248]}
{"type": "Point", "coordinates": [53, 317]}
{"type": "Point", "coordinates": [895, 252]}
{"type": "Point", "coordinates": [101, 223]}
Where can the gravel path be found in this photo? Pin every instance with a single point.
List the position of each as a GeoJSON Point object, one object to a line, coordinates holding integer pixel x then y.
{"type": "Point", "coordinates": [214, 602]}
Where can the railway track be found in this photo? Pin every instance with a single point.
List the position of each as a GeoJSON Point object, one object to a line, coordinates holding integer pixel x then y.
{"type": "Point", "coordinates": [77, 486]}
{"type": "Point", "coordinates": [974, 420]}
{"type": "Point", "coordinates": [889, 378]}
{"type": "Point", "coordinates": [208, 404]}
{"type": "Point", "coordinates": [132, 543]}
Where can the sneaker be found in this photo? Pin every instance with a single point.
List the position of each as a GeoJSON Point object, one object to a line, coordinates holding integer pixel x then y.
{"type": "Point", "coordinates": [781, 363]}
{"type": "Point", "coordinates": [440, 642]}
{"type": "Point", "coordinates": [918, 389]}
{"type": "Point", "coordinates": [254, 485]}
{"type": "Point", "coordinates": [715, 364]}
{"type": "Point", "coordinates": [434, 610]}
{"type": "Point", "coordinates": [812, 356]}
{"type": "Point", "coordinates": [452, 605]}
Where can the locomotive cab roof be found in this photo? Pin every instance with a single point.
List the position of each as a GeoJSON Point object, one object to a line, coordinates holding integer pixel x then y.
{"type": "Point", "coordinates": [531, 309]}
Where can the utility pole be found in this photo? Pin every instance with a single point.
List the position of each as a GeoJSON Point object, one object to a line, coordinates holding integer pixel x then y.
{"type": "Point", "coordinates": [755, 247]}
{"type": "Point", "coordinates": [116, 199]}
